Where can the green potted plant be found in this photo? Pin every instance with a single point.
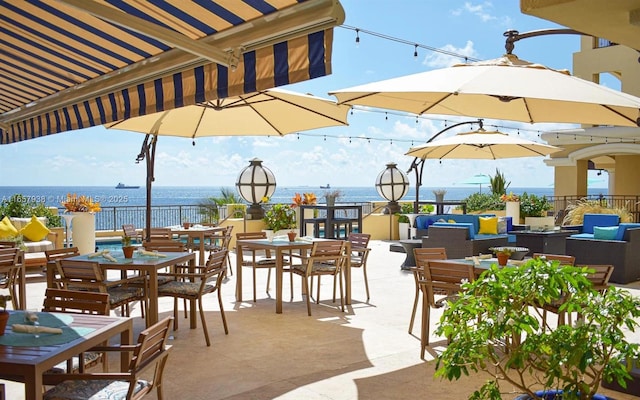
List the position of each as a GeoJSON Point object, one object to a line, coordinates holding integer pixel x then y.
{"type": "Point", "coordinates": [280, 217]}
{"type": "Point", "coordinates": [4, 314]}
{"type": "Point", "coordinates": [127, 248]}
{"type": "Point", "coordinates": [495, 326]}
{"type": "Point", "coordinates": [502, 254]}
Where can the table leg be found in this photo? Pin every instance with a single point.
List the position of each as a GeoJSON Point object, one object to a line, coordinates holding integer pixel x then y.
{"type": "Point", "coordinates": [126, 337]}
{"type": "Point", "coordinates": [193, 315]}
{"type": "Point", "coordinates": [238, 272]}
{"type": "Point", "coordinates": [347, 275]}
{"type": "Point", "coordinates": [152, 312]}
{"type": "Point", "coordinates": [279, 273]}
{"type": "Point", "coordinates": [201, 239]}
{"type": "Point", "coordinates": [33, 385]}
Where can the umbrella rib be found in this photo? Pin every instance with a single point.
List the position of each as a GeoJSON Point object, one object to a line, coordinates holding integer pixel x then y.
{"type": "Point", "coordinates": [637, 121]}
{"type": "Point", "coordinates": [197, 127]}
{"type": "Point", "coordinates": [436, 103]}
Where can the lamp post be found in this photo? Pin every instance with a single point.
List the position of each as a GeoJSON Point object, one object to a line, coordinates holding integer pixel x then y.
{"type": "Point", "coordinates": [392, 184]}
{"type": "Point", "coordinates": [254, 183]}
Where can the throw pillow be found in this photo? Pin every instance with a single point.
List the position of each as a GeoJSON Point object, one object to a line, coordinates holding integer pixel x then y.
{"type": "Point", "coordinates": [452, 221]}
{"type": "Point", "coordinates": [35, 230]}
{"type": "Point", "coordinates": [605, 232]}
{"type": "Point", "coordinates": [7, 230]}
{"type": "Point", "coordinates": [488, 225]}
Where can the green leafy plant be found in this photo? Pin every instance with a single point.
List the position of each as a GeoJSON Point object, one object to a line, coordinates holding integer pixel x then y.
{"type": "Point", "coordinates": [126, 241]}
{"type": "Point", "coordinates": [209, 207]}
{"type": "Point", "coordinates": [533, 206]}
{"type": "Point", "coordinates": [280, 216]}
{"type": "Point", "coordinates": [496, 326]}
{"type": "Point", "coordinates": [427, 208]}
{"type": "Point", "coordinates": [499, 184]}
{"type": "Point", "coordinates": [4, 299]}
{"type": "Point", "coordinates": [405, 208]}
{"type": "Point", "coordinates": [483, 201]}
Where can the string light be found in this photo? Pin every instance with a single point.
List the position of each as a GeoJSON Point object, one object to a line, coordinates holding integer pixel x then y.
{"type": "Point", "coordinates": [407, 42]}
{"type": "Point", "coordinates": [386, 116]}
{"type": "Point", "coordinates": [415, 51]}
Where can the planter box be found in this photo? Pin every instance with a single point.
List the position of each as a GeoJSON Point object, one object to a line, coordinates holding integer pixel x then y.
{"type": "Point", "coordinates": [539, 222]}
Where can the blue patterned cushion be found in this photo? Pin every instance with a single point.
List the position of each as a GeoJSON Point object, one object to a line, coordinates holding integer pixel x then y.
{"type": "Point", "coordinates": [119, 294]}
{"type": "Point", "coordinates": [93, 390]}
{"type": "Point", "coordinates": [182, 288]}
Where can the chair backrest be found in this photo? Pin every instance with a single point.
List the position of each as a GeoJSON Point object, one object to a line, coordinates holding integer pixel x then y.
{"type": "Point", "coordinates": [9, 256]}
{"type": "Point", "coordinates": [216, 266]}
{"type": "Point", "coordinates": [564, 259]}
{"type": "Point", "coordinates": [76, 302]}
{"type": "Point", "coordinates": [330, 252]}
{"type": "Point", "coordinates": [423, 255]}
{"type": "Point", "coordinates": [152, 344]}
{"type": "Point", "coordinates": [8, 243]}
{"type": "Point", "coordinates": [445, 277]}
{"type": "Point", "coordinates": [600, 277]}
{"type": "Point", "coordinates": [57, 254]}
{"type": "Point", "coordinates": [359, 240]}
{"type": "Point", "coordinates": [10, 263]}
{"type": "Point", "coordinates": [251, 235]}
{"type": "Point", "coordinates": [130, 230]}
{"type": "Point", "coordinates": [165, 245]}
{"type": "Point", "coordinates": [160, 234]}
{"type": "Point", "coordinates": [80, 274]}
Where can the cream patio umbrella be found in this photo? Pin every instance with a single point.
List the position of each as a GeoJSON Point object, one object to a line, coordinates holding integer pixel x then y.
{"type": "Point", "coordinates": [506, 88]}
{"type": "Point", "coordinates": [481, 144]}
{"type": "Point", "coordinates": [271, 112]}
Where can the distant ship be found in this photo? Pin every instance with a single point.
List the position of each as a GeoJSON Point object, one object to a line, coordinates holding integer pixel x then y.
{"type": "Point", "coordinates": [328, 186]}
{"type": "Point", "coordinates": [123, 186]}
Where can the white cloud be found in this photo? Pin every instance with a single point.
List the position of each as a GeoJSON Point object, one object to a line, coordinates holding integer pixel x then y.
{"type": "Point", "coordinates": [441, 60]}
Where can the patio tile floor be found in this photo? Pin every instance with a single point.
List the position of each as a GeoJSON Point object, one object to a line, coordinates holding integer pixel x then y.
{"type": "Point", "coordinates": [364, 353]}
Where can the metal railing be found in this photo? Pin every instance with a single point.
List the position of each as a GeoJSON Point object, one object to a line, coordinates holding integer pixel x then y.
{"type": "Point", "coordinates": [112, 218]}
{"type": "Point", "coordinates": [630, 202]}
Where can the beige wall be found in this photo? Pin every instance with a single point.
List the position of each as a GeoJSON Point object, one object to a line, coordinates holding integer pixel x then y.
{"type": "Point", "coordinates": [626, 175]}
{"type": "Point", "coordinates": [571, 180]}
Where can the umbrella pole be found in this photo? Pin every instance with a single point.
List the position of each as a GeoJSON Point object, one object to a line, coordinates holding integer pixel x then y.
{"type": "Point", "coordinates": [148, 153]}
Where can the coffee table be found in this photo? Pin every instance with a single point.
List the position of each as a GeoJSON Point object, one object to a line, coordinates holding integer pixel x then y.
{"type": "Point", "coordinates": [549, 242]}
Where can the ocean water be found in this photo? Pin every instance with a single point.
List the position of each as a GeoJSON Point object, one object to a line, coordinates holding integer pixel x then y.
{"type": "Point", "coordinates": [179, 195]}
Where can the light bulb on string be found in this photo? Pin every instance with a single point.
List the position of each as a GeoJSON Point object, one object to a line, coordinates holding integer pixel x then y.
{"type": "Point", "coordinates": [386, 116]}
{"type": "Point", "coordinates": [415, 51]}
{"type": "Point", "coordinates": [357, 37]}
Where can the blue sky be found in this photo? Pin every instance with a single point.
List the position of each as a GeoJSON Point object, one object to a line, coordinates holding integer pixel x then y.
{"type": "Point", "coordinates": [97, 157]}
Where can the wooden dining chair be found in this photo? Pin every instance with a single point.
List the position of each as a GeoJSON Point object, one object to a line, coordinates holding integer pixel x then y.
{"type": "Point", "coordinates": [194, 285]}
{"type": "Point", "coordinates": [444, 279]}
{"type": "Point", "coordinates": [78, 302]}
{"type": "Point", "coordinates": [422, 255]}
{"type": "Point", "coordinates": [358, 257]}
{"type": "Point", "coordinates": [554, 307]}
{"type": "Point", "coordinates": [256, 259]}
{"type": "Point", "coordinates": [150, 353]}
{"type": "Point", "coordinates": [131, 231]}
{"type": "Point", "coordinates": [10, 264]}
{"type": "Point", "coordinates": [54, 255]}
{"type": "Point", "coordinates": [327, 257]}
{"type": "Point", "coordinates": [87, 275]}
{"type": "Point", "coordinates": [160, 234]}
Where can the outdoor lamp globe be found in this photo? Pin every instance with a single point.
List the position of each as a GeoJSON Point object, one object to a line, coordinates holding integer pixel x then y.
{"type": "Point", "coordinates": [255, 183]}
{"type": "Point", "coordinates": [392, 184]}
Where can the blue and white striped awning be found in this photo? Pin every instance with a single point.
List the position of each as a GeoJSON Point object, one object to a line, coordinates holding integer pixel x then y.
{"type": "Point", "coordinates": [73, 64]}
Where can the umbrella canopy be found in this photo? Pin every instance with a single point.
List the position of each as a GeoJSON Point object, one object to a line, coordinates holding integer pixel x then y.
{"type": "Point", "coordinates": [267, 112]}
{"type": "Point", "coordinates": [505, 88]}
{"type": "Point", "coordinates": [481, 144]}
{"type": "Point", "coordinates": [479, 179]}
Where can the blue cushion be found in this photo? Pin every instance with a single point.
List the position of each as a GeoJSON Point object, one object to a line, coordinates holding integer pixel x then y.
{"type": "Point", "coordinates": [605, 232]}
{"type": "Point", "coordinates": [591, 220]}
{"type": "Point", "coordinates": [583, 236]}
{"type": "Point", "coordinates": [622, 228]}
{"type": "Point", "coordinates": [468, 226]}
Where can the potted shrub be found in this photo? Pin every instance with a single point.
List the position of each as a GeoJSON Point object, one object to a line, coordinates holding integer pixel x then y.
{"type": "Point", "coordinates": [331, 197]}
{"type": "Point", "coordinates": [280, 217]}
{"type": "Point", "coordinates": [127, 248]}
{"type": "Point", "coordinates": [575, 212]}
{"type": "Point", "coordinates": [439, 194]}
{"type": "Point", "coordinates": [502, 254]}
{"type": "Point", "coordinates": [4, 314]}
{"type": "Point", "coordinates": [533, 209]}
{"type": "Point", "coordinates": [495, 326]}
{"type": "Point", "coordinates": [404, 223]}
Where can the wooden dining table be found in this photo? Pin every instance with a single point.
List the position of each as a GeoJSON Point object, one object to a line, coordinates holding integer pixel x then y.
{"type": "Point", "coordinates": [27, 360]}
{"type": "Point", "coordinates": [148, 265]}
{"type": "Point", "coordinates": [197, 232]}
{"type": "Point", "coordinates": [279, 247]}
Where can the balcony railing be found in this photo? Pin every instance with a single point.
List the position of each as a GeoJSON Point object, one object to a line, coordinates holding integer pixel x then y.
{"type": "Point", "coordinates": [112, 218]}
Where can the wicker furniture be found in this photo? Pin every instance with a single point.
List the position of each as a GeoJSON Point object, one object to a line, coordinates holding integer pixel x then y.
{"type": "Point", "coordinates": [458, 243]}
